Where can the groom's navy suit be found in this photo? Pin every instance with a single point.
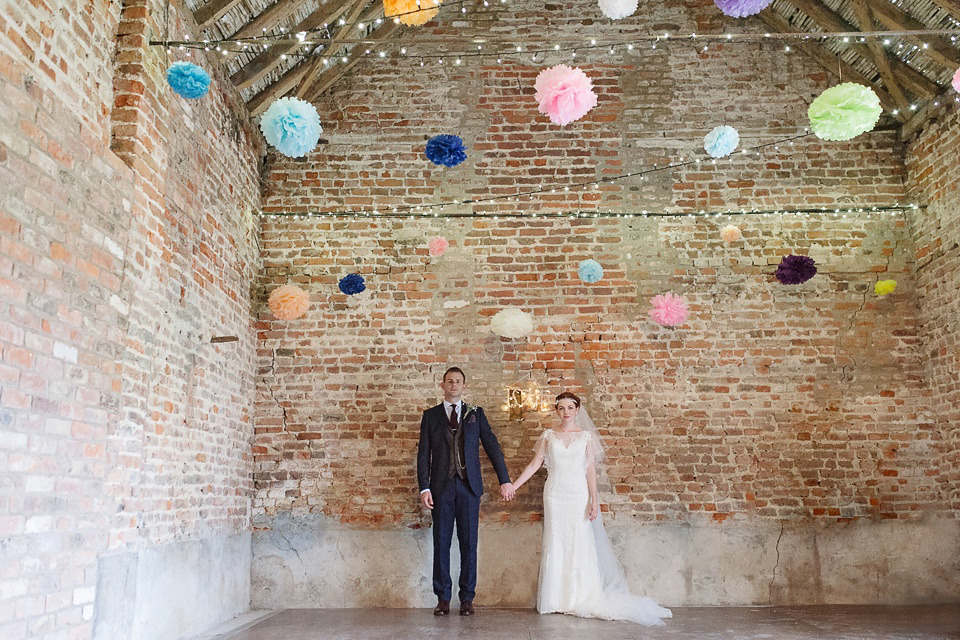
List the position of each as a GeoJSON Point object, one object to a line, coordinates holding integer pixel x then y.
{"type": "Point", "coordinates": [456, 489]}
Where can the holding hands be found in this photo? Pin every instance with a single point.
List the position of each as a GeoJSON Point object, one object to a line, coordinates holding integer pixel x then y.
{"type": "Point", "coordinates": [507, 491]}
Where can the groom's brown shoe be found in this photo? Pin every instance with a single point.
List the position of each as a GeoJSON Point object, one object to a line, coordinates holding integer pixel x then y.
{"type": "Point", "coordinates": [442, 609]}
{"type": "Point", "coordinates": [466, 608]}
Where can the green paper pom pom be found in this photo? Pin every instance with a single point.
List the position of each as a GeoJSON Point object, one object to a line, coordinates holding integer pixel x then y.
{"type": "Point", "coordinates": [844, 112]}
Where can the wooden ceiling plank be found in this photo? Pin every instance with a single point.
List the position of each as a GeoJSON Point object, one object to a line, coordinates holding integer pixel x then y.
{"type": "Point", "coordinates": [910, 78]}
{"type": "Point", "coordinates": [826, 59]}
{"type": "Point", "coordinates": [287, 82]}
{"type": "Point", "coordinates": [213, 11]}
{"type": "Point", "coordinates": [267, 60]}
{"type": "Point", "coordinates": [865, 18]}
{"type": "Point", "coordinates": [929, 111]}
{"type": "Point", "coordinates": [331, 76]}
{"type": "Point", "coordinates": [952, 7]}
{"type": "Point", "coordinates": [938, 49]}
{"type": "Point", "coordinates": [341, 34]}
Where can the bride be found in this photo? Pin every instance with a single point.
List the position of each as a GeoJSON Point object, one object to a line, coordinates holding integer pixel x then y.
{"type": "Point", "coordinates": [579, 574]}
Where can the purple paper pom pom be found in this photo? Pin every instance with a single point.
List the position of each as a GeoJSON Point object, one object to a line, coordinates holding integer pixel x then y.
{"type": "Point", "coordinates": [352, 284]}
{"type": "Point", "coordinates": [446, 150]}
{"type": "Point", "coordinates": [742, 8]}
{"type": "Point", "coordinates": [796, 269]}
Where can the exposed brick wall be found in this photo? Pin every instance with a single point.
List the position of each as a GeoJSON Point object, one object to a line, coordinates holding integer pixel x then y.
{"type": "Point", "coordinates": [122, 426]}
{"type": "Point", "coordinates": [776, 402]}
{"type": "Point", "coordinates": [932, 164]}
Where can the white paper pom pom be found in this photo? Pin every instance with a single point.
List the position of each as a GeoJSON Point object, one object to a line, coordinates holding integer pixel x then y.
{"type": "Point", "coordinates": [618, 9]}
{"type": "Point", "coordinates": [512, 323]}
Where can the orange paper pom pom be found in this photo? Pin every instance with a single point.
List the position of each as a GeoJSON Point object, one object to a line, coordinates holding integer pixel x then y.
{"type": "Point", "coordinates": [731, 233]}
{"type": "Point", "coordinates": [288, 302]}
{"type": "Point", "coordinates": [412, 12]}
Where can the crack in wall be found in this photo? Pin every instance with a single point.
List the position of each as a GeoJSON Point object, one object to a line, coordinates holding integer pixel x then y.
{"type": "Point", "coordinates": [776, 564]}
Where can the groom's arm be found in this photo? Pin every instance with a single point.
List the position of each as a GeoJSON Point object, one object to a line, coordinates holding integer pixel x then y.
{"type": "Point", "coordinates": [423, 455]}
{"type": "Point", "coordinates": [490, 444]}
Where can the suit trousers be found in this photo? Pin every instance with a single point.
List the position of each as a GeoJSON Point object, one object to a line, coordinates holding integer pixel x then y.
{"type": "Point", "coordinates": [459, 506]}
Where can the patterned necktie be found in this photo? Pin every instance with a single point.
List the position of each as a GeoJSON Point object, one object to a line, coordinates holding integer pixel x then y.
{"type": "Point", "coordinates": [453, 418]}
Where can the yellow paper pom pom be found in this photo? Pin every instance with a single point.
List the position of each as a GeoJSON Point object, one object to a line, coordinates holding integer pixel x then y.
{"type": "Point", "coordinates": [884, 287]}
{"type": "Point", "coordinates": [412, 12]}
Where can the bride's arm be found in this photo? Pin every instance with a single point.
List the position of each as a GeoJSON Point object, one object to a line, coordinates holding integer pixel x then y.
{"type": "Point", "coordinates": [531, 469]}
{"type": "Point", "coordinates": [593, 507]}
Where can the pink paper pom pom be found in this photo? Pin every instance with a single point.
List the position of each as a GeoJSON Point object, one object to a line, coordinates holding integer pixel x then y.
{"type": "Point", "coordinates": [669, 309]}
{"type": "Point", "coordinates": [564, 94]}
{"type": "Point", "coordinates": [438, 246]}
{"type": "Point", "coordinates": [731, 233]}
{"type": "Point", "coordinates": [956, 80]}
{"type": "Point", "coordinates": [288, 302]}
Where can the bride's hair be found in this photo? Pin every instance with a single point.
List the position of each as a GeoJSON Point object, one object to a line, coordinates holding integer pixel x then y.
{"type": "Point", "coordinates": [566, 395]}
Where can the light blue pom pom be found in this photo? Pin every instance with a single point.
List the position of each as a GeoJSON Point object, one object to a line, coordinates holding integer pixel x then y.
{"type": "Point", "coordinates": [721, 141]}
{"type": "Point", "coordinates": [188, 80]}
{"type": "Point", "coordinates": [590, 271]}
{"type": "Point", "coordinates": [292, 126]}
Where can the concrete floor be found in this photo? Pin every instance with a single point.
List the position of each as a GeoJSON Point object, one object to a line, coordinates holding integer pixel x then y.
{"type": "Point", "coordinates": [934, 622]}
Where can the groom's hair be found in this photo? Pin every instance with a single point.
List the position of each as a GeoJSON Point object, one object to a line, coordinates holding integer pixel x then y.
{"type": "Point", "coordinates": [566, 395]}
{"type": "Point", "coordinates": [456, 370]}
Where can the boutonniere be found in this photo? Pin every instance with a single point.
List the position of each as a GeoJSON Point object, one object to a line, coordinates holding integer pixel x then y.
{"type": "Point", "coordinates": [468, 409]}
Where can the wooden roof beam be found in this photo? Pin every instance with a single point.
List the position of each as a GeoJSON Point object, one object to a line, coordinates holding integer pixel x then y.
{"type": "Point", "coordinates": [952, 7]}
{"type": "Point", "coordinates": [826, 59]}
{"type": "Point", "coordinates": [938, 49]}
{"type": "Point", "coordinates": [329, 77]}
{"type": "Point", "coordinates": [910, 79]}
{"type": "Point", "coordinates": [358, 6]}
{"type": "Point", "coordinates": [213, 11]}
{"type": "Point", "coordinates": [865, 18]}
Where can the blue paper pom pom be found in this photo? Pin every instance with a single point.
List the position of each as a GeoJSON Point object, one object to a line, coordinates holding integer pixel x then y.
{"type": "Point", "coordinates": [188, 80]}
{"type": "Point", "coordinates": [292, 126]}
{"type": "Point", "coordinates": [352, 284]}
{"type": "Point", "coordinates": [446, 150]}
{"type": "Point", "coordinates": [590, 271]}
{"type": "Point", "coordinates": [721, 141]}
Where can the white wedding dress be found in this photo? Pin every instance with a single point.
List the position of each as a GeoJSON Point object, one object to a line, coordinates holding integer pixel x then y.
{"type": "Point", "coordinates": [579, 574]}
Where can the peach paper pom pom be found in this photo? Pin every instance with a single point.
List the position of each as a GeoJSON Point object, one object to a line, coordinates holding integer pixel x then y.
{"type": "Point", "coordinates": [438, 246]}
{"type": "Point", "coordinates": [956, 80]}
{"type": "Point", "coordinates": [669, 309]}
{"type": "Point", "coordinates": [412, 12]}
{"type": "Point", "coordinates": [731, 233]}
{"type": "Point", "coordinates": [288, 302]}
{"type": "Point", "coordinates": [564, 94]}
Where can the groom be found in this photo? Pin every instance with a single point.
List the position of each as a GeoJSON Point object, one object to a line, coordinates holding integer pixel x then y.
{"type": "Point", "coordinates": [448, 471]}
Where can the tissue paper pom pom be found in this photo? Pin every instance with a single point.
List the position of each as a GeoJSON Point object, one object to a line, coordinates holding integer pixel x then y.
{"type": "Point", "coordinates": [511, 323]}
{"type": "Point", "coordinates": [412, 12]}
{"type": "Point", "coordinates": [956, 80]}
{"type": "Point", "coordinates": [617, 9]}
{"type": "Point", "coordinates": [292, 126]}
{"type": "Point", "coordinates": [884, 287]}
{"type": "Point", "coordinates": [288, 302]}
{"type": "Point", "coordinates": [731, 233]}
{"type": "Point", "coordinates": [721, 141]}
{"type": "Point", "coordinates": [438, 246]}
{"type": "Point", "coordinates": [796, 269]}
{"type": "Point", "coordinates": [590, 271]}
{"type": "Point", "coordinates": [446, 150]}
{"type": "Point", "coordinates": [669, 310]}
{"type": "Point", "coordinates": [742, 8]}
{"type": "Point", "coordinates": [844, 112]}
{"type": "Point", "coordinates": [188, 80]}
{"type": "Point", "coordinates": [564, 94]}
{"type": "Point", "coordinates": [352, 284]}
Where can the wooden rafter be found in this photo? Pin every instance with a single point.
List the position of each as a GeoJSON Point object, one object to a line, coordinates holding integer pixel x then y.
{"type": "Point", "coordinates": [879, 56]}
{"type": "Point", "coordinates": [356, 55]}
{"type": "Point", "coordinates": [289, 80]}
{"type": "Point", "coordinates": [952, 7]}
{"type": "Point", "coordinates": [938, 49]}
{"type": "Point", "coordinates": [910, 78]}
{"type": "Point", "coordinates": [268, 20]}
{"type": "Point", "coordinates": [927, 112]}
{"type": "Point", "coordinates": [267, 60]}
{"type": "Point", "coordinates": [826, 59]}
{"type": "Point", "coordinates": [307, 82]}
{"type": "Point", "coordinates": [213, 11]}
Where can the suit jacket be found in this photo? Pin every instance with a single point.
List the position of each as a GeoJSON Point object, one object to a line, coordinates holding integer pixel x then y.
{"type": "Point", "coordinates": [434, 451]}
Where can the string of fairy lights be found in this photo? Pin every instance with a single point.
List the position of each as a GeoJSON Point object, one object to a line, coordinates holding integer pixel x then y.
{"type": "Point", "coordinates": [467, 207]}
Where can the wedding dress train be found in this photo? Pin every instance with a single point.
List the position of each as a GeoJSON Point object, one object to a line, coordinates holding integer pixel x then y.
{"type": "Point", "coordinates": [579, 573]}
